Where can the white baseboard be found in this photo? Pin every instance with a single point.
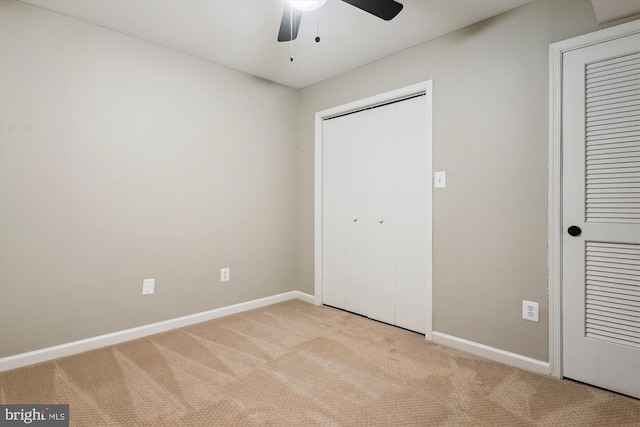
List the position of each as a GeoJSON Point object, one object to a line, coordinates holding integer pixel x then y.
{"type": "Point", "coordinates": [68, 349]}
{"type": "Point", "coordinates": [492, 353]}
{"type": "Point", "coordinates": [305, 297]}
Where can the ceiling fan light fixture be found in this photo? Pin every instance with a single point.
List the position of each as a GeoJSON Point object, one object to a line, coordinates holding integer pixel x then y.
{"type": "Point", "coordinates": [307, 5]}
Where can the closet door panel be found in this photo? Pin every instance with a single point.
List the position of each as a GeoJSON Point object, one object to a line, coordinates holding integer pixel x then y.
{"type": "Point", "coordinates": [356, 213]}
{"type": "Point", "coordinates": [412, 208]}
{"type": "Point", "coordinates": [333, 263]}
{"type": "Point", "coordinates": [381, 182]}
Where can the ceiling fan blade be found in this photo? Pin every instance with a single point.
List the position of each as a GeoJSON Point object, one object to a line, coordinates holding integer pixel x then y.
{"type": "Point", "coordinates": [384, 9]}
{"type": "Point", "coordinates": [287, 31]}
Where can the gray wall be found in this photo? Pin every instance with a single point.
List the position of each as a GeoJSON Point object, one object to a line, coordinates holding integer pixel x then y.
{"type": "Point", "coordinates": [122, 160]}
{"type": "Point", "coordinates": [490, 136]}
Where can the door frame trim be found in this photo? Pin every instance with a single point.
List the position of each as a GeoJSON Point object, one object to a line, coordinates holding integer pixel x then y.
{"type": "Point", "coordinates": [556, 52]}
{"type": "Point", "coordinates": [425, 87]}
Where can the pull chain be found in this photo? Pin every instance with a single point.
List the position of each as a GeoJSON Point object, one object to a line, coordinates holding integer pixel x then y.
{"type": "Point", "coordinates": [291, 30]}
{"type": "Point", "coordinates": [291, 52]}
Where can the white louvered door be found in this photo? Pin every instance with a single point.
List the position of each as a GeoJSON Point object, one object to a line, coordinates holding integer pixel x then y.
{"type": "Point", "coordinates": [601, 215]}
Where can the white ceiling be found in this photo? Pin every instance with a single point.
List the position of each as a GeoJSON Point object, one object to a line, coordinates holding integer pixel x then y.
{"type": "Point", "coordinates": [241, 34]}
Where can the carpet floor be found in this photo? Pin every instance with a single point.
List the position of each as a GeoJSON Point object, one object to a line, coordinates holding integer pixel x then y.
{"type": "Point", "coordinates": [295, 364]}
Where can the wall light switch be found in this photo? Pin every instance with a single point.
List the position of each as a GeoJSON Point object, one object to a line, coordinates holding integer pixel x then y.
{"type": "Point", "coordinates": [148, 286]}
{"type": "Point", "coordinates": [440, 179]}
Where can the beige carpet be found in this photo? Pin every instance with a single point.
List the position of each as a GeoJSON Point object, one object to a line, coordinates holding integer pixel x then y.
{"type": "Point", "coordinates": [294, 364]}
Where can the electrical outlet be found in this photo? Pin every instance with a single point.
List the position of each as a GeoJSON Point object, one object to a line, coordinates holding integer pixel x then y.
{"type": "Point", "coordinates": [224, 274]}
{"type": "Point", "coordinates": [148, 286]}
{"type": "Point", "coordinates": [530, 310]}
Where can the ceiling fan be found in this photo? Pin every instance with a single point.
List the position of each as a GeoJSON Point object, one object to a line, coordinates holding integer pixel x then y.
{"type": "Point", "coordinates": [293, 10]}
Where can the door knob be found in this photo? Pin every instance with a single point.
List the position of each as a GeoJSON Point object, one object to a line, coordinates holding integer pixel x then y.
{"type": "Point", "coordinates": [355, 219]}
{"type": "Point", "coordinates": [574, 230]}
{"type": "Point", "coordinates": [380, 221]}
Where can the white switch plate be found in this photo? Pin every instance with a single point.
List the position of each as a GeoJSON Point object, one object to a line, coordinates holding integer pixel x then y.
{"type": "Point", "coordinates": [530, 310]}
{"type": "Point", "coordinates": [148, 286]}
{"type": "Point", "coordinates": [440, 179]}
{"type": "Point", "coordinates": [224, 274]}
